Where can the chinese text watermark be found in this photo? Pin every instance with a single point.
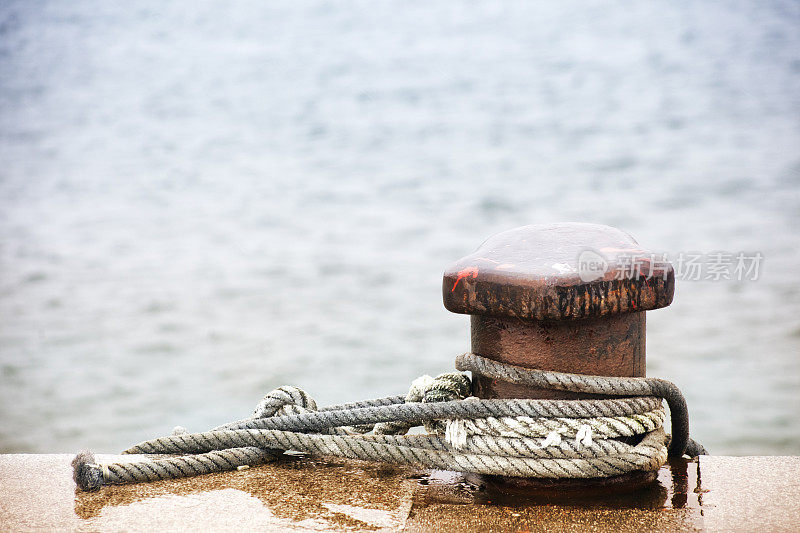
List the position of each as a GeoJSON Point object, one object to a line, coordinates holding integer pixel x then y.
{"type": "Point", "coordinates": [688, 266]}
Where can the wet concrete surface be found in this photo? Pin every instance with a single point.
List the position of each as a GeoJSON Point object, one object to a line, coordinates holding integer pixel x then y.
{"type": "Point", "coordinates": [301, 493]}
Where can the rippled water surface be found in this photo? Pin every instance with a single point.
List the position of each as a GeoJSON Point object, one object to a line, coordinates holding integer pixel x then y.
{"type": "Point", "coordinates": [202, 201]}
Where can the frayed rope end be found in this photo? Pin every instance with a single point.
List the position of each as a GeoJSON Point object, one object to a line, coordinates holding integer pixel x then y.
{"type": "Point", "coordinates": [87, 474]}
{"type": "Point", "coordinates": [553, 439]}
{"type": "Point", "coordinates": [456, 434]}
{"type": "Point", "coordinates": [584, 435]}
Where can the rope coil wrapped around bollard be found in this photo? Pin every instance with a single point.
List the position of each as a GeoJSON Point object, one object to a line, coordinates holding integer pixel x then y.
{"type": "Point", "coordinates": [510, 437]}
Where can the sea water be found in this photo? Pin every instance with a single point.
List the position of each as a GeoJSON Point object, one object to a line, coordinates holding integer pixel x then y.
{"type": "Point", "coordinates": [202, 201]}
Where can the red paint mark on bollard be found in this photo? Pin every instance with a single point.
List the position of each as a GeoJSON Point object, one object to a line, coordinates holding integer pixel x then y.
{"type": "Point", "coordinates": [471, 272]}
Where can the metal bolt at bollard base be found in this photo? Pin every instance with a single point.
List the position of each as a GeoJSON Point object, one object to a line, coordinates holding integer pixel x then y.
{"type": "Point", "coordinates": [565, 297]}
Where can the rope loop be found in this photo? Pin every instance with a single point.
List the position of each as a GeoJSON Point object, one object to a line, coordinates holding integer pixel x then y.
{"type": "Point", "coordinates": [284, 400]}
{"type": "Point", "coordinates": [512, 437]}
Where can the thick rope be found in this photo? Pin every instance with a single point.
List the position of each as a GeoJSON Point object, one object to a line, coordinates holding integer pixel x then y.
{"type": "Point", "coordinates": [526, 438]}
{"type": "Point", "coordinates": [607, 386]}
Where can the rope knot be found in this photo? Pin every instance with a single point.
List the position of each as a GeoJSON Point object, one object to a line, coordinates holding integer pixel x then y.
{"type": "Point", "coordinates": [443, 388]}
{"type": "Point", "coordinates": [286, 400]}
{"type": "Point", "coordinates": [425, 389]}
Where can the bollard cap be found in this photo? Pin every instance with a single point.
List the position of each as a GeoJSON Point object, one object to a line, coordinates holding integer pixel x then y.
{"type": "Point", "coordinates": [558, 272]}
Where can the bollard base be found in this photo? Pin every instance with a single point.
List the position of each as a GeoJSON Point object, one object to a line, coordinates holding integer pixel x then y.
{"type": "Point", "coordinates": [555, 489]}
{"type": "Point", "coordinates": [608, 346]}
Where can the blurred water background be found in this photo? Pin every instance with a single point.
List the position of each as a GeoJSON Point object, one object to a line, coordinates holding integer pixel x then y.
{"type": "Point", "coordinates": [201, 201]}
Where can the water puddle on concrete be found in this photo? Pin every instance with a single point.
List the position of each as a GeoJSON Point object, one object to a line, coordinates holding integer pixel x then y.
{"type": "Point", "coordinates": [312, 494]}
{"type": "Point", "coordinates": [303, 493]}
{"type": "Point", "coordinates": [293, 493]}
{"type": "Point", "coordinates": [676, 487]}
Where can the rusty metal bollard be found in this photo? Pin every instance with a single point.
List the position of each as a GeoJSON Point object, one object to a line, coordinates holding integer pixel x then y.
{"type": "Point", "coordinates": [565, 297]}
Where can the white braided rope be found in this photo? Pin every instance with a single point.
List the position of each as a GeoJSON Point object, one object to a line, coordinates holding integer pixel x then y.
{"type": "Point", "coordinates": [604, 427]}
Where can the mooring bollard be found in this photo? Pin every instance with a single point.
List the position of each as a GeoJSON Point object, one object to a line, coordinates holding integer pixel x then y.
{"type": "Point", "coordinates": [562, 300]}
{"type": "Point", "coordinates": [564, 297]}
